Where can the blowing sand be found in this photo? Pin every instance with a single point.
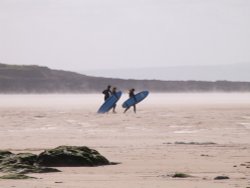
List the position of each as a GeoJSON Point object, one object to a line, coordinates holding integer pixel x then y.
{"type": "Point", "coordinates": [203, 135]}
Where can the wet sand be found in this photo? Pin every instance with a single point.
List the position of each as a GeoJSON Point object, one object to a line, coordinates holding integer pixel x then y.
{"type": "Point", "coordinates": [203, 135]}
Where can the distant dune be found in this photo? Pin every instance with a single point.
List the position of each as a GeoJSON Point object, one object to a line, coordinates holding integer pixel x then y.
{"type": "Point", "coordinates": [233, 72]}
{"type": "Point", "coordinates": [36, 79]}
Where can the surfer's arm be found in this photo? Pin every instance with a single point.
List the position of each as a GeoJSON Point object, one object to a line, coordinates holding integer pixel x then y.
{"type": "Point", "coordinates": [115, 95]}
{"type": "Point", "coordinates": [134, 98]}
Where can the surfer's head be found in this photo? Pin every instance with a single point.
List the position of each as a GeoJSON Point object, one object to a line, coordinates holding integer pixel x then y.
{"type": "Point", "coordinates": [109, 86]}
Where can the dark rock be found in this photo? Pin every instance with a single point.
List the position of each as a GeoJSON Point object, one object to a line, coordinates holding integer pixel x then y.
{"type": "Point", "coordinates": [64, 156]}
{"type": "Point", "coordinates": [180, 175]}
{"type": "Point", "coordinates": [221, 178]}
{"type": "Point", "coordinates": [22, 163]}
{"type": "Point", "coordinates": [204, 155]}
{"type": "Point", "coordinates": [16, 176]}
{"type": "Point", "coordinates": [23, 169]}
{"type": "Point", "coordinates": [114, 163]}
{"type": "Point", "coordinates": [246, 164]}
{"type": "Point", "coordinates": [4, 154]}
{"type": "Point", "coordinates": [196, 143]}
{"type": "Point", "coordinates": [23, 158]}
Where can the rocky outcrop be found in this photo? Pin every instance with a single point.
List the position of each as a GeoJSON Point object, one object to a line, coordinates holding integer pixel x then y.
{"type": "Point", "coordinates": [16, 177]}
{"type": "Point", "coordinates": [62, 156]}
{"type": "Point", "coordinates": [221, 178]}
{"type": "Point", "coordinates": [21, 163]}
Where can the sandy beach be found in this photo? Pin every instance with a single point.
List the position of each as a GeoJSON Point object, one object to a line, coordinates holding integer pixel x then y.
{"type": "Point", "coordinates": [203, 135]}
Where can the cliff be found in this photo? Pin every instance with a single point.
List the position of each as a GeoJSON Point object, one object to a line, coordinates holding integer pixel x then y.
{"type": "Point", "coordinates": [37, 79]}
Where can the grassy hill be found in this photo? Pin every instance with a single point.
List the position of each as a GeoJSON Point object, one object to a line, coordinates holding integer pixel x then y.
{"type": "Point", "coordinates": [37, 79]}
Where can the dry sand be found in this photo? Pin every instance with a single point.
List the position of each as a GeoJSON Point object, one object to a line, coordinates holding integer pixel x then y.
{"type": "Point", "coordinates": [144, 143]}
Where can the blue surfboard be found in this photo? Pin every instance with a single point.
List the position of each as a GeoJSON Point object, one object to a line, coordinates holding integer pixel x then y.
{"type": "Point", "coordinates": [138, 98]}
{"type": "Point", "coordinates": [109, 103]}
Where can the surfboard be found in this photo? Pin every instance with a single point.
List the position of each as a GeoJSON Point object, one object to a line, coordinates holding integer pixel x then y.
{"type": "Point", "coordinates": [138, 98]}
{"type": "Point", "coordinates": [109, 103]}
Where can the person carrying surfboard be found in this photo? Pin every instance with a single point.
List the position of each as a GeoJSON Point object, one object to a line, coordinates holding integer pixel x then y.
{"type": "Point", "coordinates": [113, 92]}
{"type": "Point", "coordinates": [107, 92]}
{"type": "Point", "coordinates": [110, 102]}
{"type": "Point", "coordinates": [131, 95]}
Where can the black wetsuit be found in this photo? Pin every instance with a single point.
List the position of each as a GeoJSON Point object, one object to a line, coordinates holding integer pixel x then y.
{"type": "Point", "coordinates": [114, 93]}
{"type": "Point", "coordinates": [106, 93]}
{"type": "Point", "coordinates": [131, 95]}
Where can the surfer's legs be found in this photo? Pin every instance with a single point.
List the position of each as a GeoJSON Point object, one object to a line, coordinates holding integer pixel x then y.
{"type": "Point", "coordinates": [114, 108]}
{"type": "Point", "coordinates": [129, 108]}
{"type": "Point", "coordinates": [126, 110]}
{"type": "Point", "coordinates": [134, 108]}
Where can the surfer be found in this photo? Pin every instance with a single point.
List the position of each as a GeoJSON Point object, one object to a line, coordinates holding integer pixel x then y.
{"type": "Point", "coordinates": [113, 92]}
{"type": "Point", "coordinates": [131, 95]}
{"type": "Point", "coordinates": [107, 92]}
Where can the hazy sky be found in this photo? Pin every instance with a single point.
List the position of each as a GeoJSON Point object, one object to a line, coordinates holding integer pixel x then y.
{"type": "Point", "coordinates": [96, 34]}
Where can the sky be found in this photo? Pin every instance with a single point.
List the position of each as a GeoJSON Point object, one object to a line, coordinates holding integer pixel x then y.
{"type": "Point", "coordinates": [83, 35]}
